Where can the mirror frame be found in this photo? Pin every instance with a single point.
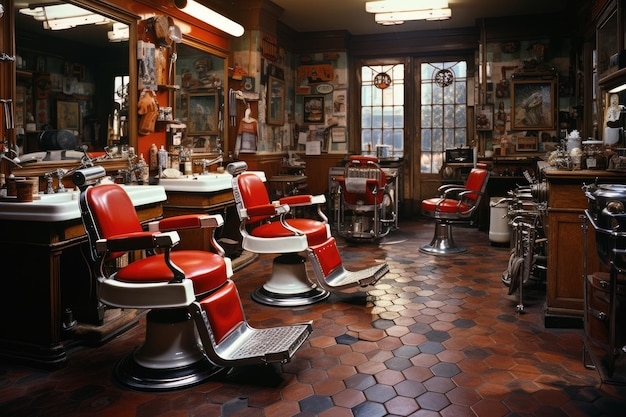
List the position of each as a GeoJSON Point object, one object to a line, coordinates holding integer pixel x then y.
{"type": "Point", "coordinates": [114, 12]}
{"type": "Point", "coordinates": [204, 47]}
{"type": "Point", "coordinates": [276, 101]}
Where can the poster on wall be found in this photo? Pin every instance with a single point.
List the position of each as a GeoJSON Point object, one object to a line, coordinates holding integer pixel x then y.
{"type": "Point", "coordinates": [337, 142]}
{"type": "Point", "coordinates": [339, 102]}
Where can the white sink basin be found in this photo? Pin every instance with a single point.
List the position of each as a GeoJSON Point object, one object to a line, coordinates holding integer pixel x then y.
{"type": "Point", "coordinates": [209, 183]}
{"type": "Point", "coordinates": [64, 206]}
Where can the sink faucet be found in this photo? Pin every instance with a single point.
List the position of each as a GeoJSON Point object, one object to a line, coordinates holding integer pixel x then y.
{"type": "Point", "coordinates": [208, 162]}
{"type": "Point", "coordinates": [59, 173]}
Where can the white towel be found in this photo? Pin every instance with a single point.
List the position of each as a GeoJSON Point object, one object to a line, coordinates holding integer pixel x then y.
{"type": "Point", "coordinates": [356, 185]}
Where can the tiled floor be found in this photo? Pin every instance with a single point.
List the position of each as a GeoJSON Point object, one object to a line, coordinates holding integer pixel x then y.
{"type": "Point", "coordinates": [437, 336]}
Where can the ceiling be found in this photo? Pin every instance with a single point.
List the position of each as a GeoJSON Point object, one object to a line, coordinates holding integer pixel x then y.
{"type": "Point", "coordinates": [350, 15]}
{"type": "Point", "coordinates": [331, 15]}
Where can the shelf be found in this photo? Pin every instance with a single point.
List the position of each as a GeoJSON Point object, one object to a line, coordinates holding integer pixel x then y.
{"type": "Point", "coordinates": [168, 87]}
{"type": "Point", "coordinates": [613, 79]}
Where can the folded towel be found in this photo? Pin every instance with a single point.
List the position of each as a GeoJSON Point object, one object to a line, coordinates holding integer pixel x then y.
{"type": "Point", "coordinates": [356, 185]}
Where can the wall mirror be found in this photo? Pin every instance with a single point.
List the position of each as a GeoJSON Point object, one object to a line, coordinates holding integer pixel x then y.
{"type": "Point", "coordinates": [69, 75]}
{"type": "Point", "coordinates": [201, 73]}
{"type": "Point", "coordinates": [276, 101]}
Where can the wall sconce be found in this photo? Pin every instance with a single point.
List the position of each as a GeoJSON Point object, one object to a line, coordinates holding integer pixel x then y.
{"type": "Point", "coordinates": [210, 17]}
{"type": "Point", "coordinates": [396, 12]}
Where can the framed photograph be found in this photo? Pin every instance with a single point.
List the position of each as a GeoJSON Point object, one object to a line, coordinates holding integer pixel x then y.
{"type": "Point", "coordinates": [68, 115]}
{"type": "Point", "coordinates": [337, 142]}
{"type": "Point", "coordinates": [276, 101]}
{"type": "Point", "coordinates": [484, 117]}
{"type": "Point", "coordinates": [313, 109]}
{"type": "Point", "coordinates": [533, 104]}
{"type": "Point", "coordinates": [202, 114]}
{"type": "Point", "coordinates": [527, 144]}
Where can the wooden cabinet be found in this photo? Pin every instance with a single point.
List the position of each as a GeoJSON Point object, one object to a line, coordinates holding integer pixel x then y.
{"type": "Point", "coordinates": [566, 204]}
{"type": "Point", "coordinates": [47, 285]}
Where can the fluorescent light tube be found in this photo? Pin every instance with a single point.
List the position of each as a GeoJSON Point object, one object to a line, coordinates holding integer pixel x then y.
{"type": "Point", "coordinates": [210, 17]}
{"type": "Point", "coordinates": [389, 6]}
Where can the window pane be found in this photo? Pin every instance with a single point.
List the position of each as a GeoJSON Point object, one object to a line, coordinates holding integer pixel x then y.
{"type": "Point", "coordinates": [443, 112]}
{"type": "Point", "coordinates": [366, 117]}
{"type": "Point", "coordinates": [382, 110]}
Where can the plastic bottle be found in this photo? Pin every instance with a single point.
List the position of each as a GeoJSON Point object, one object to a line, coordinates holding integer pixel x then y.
{"type": "Point", "coordinates": [154, 160]}
{"type": "Point", "coordinates": [163, 158]}
{"type": "Point", "coordinates": [188, 164]}
{"type": "Point", "coordinates": [145, 174]}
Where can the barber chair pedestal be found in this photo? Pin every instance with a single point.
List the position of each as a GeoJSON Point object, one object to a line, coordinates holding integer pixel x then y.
{"type": "Point", "coordinates": [171, 342]}
{"type": "Point", "coordinates": [289, 284]}
{"type": "Point", "coordinates": [443, 243]}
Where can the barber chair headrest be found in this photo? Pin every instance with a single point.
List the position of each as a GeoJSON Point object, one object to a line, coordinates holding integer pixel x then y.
{"type": "Point", "coordinates": [236, 168]}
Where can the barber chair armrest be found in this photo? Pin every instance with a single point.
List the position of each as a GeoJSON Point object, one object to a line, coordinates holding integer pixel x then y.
{"type": "Point", "coordinates": [146, 294]}
{"type": "Point", "coordinates": [267, 210]}
{"type": "Point", "coordinates": [303, 200]}
{"type": "Point", "coordinates": [187, 221]}
{"type": "Point", "coordinates": [445, 187]}
{"type": "Point", "coordinates": [138, 240]}
{"type": "Point", "coordinates": [447, 190]}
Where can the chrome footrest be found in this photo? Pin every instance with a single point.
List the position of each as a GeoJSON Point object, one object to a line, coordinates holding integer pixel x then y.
{"type": "Point", "coordinates": [362, 277]}
{"type": "Point", "coordinates": [330, 273]}
{"type": "Point", "coordinates": [276, 344]}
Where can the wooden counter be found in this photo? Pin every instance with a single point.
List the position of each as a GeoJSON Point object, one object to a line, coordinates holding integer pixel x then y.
{"type": "Point", "coordinates": [220, 202]}
{"type": "Point", "coordinates": [46, 284]}
{"type": "Point", "coordinates": [566, 204]}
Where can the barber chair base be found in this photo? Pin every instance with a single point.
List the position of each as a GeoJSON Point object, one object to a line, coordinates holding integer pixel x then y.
{"type": "Point", "coordinates": [362, 227]}
{"type": "Point", "coordinates": [289, 285]}
{"type": "Point", "coordinates": [170, 358]}
{"type": "Point", "coordinates": [443, 242]}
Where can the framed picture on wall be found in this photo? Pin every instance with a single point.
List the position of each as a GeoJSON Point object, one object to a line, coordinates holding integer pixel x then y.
{"type": "Point", "coordinates": [313, 109]}
{"type": "Point", "coordinates": [484, 117]}
{"type": "Point", "coordinates": [276, 99]}
{"type": "Point", "coordinates": [68, 115]}
{"type": "Point", "coordinates": [202, 114]}
{"type": "Point", "coordinates": [533, 103]}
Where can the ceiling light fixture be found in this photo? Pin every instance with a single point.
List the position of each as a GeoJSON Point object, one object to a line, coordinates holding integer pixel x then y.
{"type": "Point", "coordinates": [120, 32]}
{"type": "Point", "coordinates": [396, 12]}
{"type": "Point", "coordinates": [388, 6]}
{"type": "Point", "coordinates": [210, 17]}
{"type": "Point", "coordinates": [64, 16]}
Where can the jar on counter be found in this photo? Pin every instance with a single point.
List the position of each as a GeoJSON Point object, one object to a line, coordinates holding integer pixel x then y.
{"type": "Point", "coordinates": [594, 156]}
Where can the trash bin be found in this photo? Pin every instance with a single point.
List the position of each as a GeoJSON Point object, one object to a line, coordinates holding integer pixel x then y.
{"type": "Point", "coordinates": [499, 229]}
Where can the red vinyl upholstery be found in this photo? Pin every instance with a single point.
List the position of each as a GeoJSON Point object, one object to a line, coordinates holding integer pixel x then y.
{"type": "Point", "coordinates": [115, 215]}
{"type": "Point", "coordinates": [256, 200]}
{"type": "Point", "coordinates": [364, 168]}
{"type": "Point", "coordinates": [464, 204]}
{"type": "Point", "coordinates": [223, 310]}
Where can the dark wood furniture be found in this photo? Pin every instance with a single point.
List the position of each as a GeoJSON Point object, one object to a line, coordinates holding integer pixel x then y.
{"type": "Point", "coordinates": [566, 205]}
{"type": "Point", "coordinates": [48, 303]}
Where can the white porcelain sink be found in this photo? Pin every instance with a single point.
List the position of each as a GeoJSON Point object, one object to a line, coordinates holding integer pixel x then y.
{"type": "Point", "coordinates": [64, 206]}
{"type": "Point", "coordinates": [209, 183]}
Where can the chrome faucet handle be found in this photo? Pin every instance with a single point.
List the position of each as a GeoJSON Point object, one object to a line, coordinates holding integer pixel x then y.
{"type": "Point", "coordinates": [60, 173]}
{"type": "Point", "coordinates": [48, 177]}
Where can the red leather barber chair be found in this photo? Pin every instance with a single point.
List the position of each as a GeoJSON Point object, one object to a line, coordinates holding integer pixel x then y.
{"type": "Point", "coordinates": [366, 209]}
{"type": "Point", "coordinates": [269, 227]}
{"type": "Point", "coordinates": [196, 327]}
{"type": "Point", "coordinates": [456, 204]}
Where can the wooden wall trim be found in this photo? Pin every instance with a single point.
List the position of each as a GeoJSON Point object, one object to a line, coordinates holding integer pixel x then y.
{"type": "Point", "coordinates": [404, 43]}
